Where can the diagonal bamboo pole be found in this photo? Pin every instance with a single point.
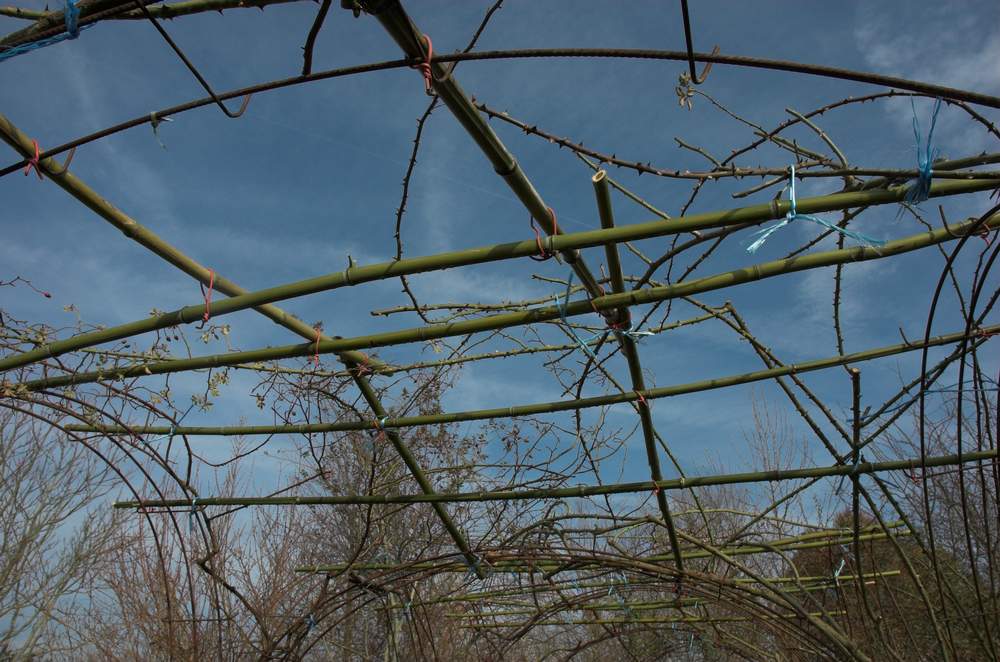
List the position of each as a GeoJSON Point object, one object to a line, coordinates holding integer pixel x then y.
{"type": "Point", "coordinates": [416, 45]}
{"type": "Point", "coordinates": [543, 407]}
{"type": "Point", "coordinates": [526, 317]}
{"type": "Point", "coordinates": [355, 275]}
{"type": "Point", "coordinates": [580, 491]}
{"type": "Point", "coordinates": [151, 241]}
{"type": "Point", "coordinates": [621, 319]}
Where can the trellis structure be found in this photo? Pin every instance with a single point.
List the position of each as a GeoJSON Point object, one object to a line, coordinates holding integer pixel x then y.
{"type": "Point", "coordinates": [677, 563]}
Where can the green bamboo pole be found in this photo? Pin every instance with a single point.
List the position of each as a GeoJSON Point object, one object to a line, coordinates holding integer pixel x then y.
{"type": "Point", "coordinates": [530, 316]}
{"type": "Point", "coordinates": [580, 491]}
{"type": "Point", "coordinates": [354, 275]}
{"type": "Point", "coordinates": [641, 621]}
{"type": "Point", "coordinates": [151, 241]}
{"type": "Point", "coordinates": [550, 565]}
{"type": "Point", "coordinates": [649, 605]}
{"type": "Point", "coordinates": [622, 318]}
{"type": "Point", "coordinates": [810, 582]}
{"type": "Point", "coordinates": [543, 407]}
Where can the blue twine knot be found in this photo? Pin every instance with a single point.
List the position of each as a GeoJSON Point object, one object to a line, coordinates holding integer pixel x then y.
{"type": "Point", "coordinates": [792, 215]}
{"type": "Point", "coordinates": [920, 190]}
{"type": "Point", "coordinates": [632, 333]}
{"type": "Point", "coordinates": [72, 18]}
{"type": "Point", "coordinates": [562, 315]}
{"type": "Point", "coordinates": [192, 513]}
{"type": "Point", "coordinates": [311, 623]}
{"type": "Point", "coordinates": [857, 464]}
{"type": "Point", "coordinates": [475, 567]}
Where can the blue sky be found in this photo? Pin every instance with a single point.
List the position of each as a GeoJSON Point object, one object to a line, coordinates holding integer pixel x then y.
{"type": "Point", "coordinates": [311, 174]}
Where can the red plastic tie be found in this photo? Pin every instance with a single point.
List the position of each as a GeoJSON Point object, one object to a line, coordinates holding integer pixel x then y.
{"type": "Point", "coordinates": [33, 162]}
{"type": "Point", "coordinates": [319, 334]}
{"type": "Point", "coordinates": [986, 235]}
{"type": "Point", "coordinates": [542, 253]}
{"type": "Point", "coordinates": [425, 66]}
{"type": "Point", "coordinates": [208, 297]}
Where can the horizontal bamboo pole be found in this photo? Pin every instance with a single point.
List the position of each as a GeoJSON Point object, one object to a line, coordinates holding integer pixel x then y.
{"type": "Point", "coordinates": [355, 275]}
{"type": "Point", "coordinates": [524, 609]}
{"type": "Point", "coordinates": [542, 407]}
{"type": "Point", "coordinates": [580, 491]}
{"type": "Point", "coordinates": [552, 565]}
{"type": "Point", "coordinates": [641, 621]}
{"type": "Point", "coordinates": [810, 582]}
{"type": "Point", "coordinates": [522, 318]}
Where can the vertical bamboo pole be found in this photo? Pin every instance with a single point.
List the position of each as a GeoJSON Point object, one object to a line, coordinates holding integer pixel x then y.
{"type": "Point", "coordinates": [622, 322]}
{"type": "Point", "coordinates": [145, 237]}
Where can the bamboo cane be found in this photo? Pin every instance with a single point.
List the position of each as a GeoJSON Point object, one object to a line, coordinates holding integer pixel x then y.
{"type": "Point", "coordinates": [622, 321]}
{"type": "Point", "coordinates": [641, 621]}
{"type": "Point", "coordinates": [580, 491]}
{"type": "Point", "coordinates": [531, 565]}
{"type": "Point", "coordinates": [538, 408]}
{"type": "Point", "coordinates": [522, 318]}
{"type": "Point", "coordinates": [354, 275]}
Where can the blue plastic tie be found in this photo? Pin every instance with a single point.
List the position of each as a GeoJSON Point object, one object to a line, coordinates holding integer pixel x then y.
{"type": "Point", "coordinates": [632, 333]}
{"type": "Point", "coordinates": [194, 511]}
{"type": "Point", "coordinates": [920, 190]}
{"type": "Point", "coordinates": [792, 215]}
{"type": "Point", "coordinates": [562, 315]}
{"type": "Point", "coordinates": [71, 17]}
{"type": "Point", "coordinates": [311, 623]}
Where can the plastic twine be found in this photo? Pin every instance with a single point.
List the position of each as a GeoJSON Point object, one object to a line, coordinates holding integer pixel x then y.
{"type": "Point", "coordinates": [920, 189]}
{"type": "Point", "coordinates": [319, 334]}
{"type": "Point", "coordinates": [562, 315]}
{"type": "Point", "coordinates": [155, 121]}
{"type": "Point", "coordinates": [542, 253]}
{"type": "Point", "coordinates": [192, 513]}
{"type": "Point", "coordinates": [33, 162]}
{"type": "Point", "coordinates": [792, 215]}
{"type": "Point", "coordinates": [425, 66]}
{"type": "Point", "coordinates": [71, 19]}
{"type": "Point", "coordinates": [208, 297]}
